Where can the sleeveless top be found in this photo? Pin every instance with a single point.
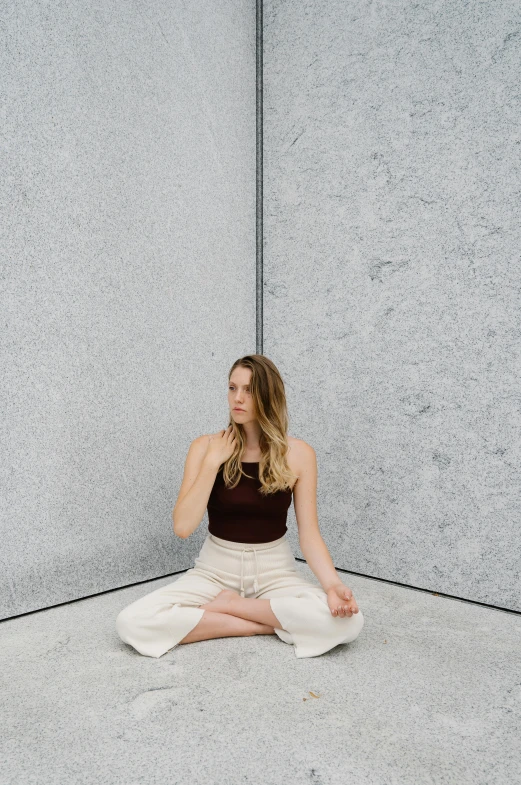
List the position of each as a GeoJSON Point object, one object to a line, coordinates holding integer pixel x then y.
{"type": "Point", "coordinates": [242, 514]}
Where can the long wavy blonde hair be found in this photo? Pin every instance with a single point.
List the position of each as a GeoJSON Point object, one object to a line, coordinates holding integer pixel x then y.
{"type": "Point", "coordinates": [269, 398]}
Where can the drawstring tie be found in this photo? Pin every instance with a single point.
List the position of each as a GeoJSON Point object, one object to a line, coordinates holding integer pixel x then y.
{"type": "Point", "coordinates": [255, 581]}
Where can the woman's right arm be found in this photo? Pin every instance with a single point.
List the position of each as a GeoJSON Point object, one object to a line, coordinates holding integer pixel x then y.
{"type": "Point", "coordinates": [198, 479]}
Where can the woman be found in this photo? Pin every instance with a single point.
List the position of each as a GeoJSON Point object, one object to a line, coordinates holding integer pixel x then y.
{"type": "Point", "coordinates": [246, 476]}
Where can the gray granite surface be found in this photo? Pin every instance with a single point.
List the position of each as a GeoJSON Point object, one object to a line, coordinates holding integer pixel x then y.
{"type": "Point", "coordinates": [428, 694]}
{"type": "Point", "coordinates": [392, 229]}
{"type": "Point", "coordinates": [128, 201]}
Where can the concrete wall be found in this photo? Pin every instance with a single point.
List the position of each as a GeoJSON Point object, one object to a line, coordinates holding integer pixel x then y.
{"type": "Point", "coordinates": [128, 185]}
{"type": "Point", "coordinates": [392, 280]}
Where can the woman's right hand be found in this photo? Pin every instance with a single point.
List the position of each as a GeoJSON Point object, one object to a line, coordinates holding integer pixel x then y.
{"type": "Point", "coordinates": [221, 446]}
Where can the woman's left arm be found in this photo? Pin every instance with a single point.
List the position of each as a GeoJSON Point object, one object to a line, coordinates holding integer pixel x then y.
{"type": "Point", "coordinates": [340, 598]}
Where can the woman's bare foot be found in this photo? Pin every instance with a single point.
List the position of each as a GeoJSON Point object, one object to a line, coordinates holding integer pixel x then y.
{"type": "Point", "coordinates": [221, 603]}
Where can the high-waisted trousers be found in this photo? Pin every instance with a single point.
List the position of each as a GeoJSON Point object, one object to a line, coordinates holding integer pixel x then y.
{"type": "Point", "coordinates": [155, 623]}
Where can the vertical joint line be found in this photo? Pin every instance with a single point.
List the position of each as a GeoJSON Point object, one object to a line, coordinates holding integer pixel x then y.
{"type": "Point", "coordinates": [258, 176]}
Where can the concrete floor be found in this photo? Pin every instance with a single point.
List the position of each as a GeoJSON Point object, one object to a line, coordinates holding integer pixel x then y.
{"type": "Point", "coordinates": [430, 692]}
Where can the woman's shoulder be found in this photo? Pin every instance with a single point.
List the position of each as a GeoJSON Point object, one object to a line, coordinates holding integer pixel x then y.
{"type": "Point", "coordinates": [298, 452]}
{"type": "Point", "coordinates": [205, 436]}
{"type": "Point", "coordinates": [298, 446]}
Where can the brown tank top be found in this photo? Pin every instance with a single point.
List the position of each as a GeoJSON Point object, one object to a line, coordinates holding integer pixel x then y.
{"type": "Point", "coordinates": [242, 514]}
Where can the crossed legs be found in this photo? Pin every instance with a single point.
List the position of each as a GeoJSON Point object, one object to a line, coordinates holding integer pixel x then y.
{"type": "Point", "coordinates": [229, 614]}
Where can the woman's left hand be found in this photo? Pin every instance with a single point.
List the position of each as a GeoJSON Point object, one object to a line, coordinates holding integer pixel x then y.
{"type": "Point", "coordinates": [341, 601]}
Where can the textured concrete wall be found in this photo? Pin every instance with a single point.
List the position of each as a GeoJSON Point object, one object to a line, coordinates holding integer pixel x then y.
{"type": "Point", "coordinates": [127, 279]}
{"type": "Point", "coordinates": [392, 280]}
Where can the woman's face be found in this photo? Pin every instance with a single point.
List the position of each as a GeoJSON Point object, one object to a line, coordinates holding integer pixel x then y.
{"type": "Point", "coordinates": [239, 396]}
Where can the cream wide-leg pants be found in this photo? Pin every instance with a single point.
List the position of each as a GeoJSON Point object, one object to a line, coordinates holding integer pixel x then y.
{"type": "Point", "coordinates": [156, 623]}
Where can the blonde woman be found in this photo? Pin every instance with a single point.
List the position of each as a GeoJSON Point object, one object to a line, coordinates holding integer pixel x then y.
{"type": "Point", "coordinates": [245, 580]}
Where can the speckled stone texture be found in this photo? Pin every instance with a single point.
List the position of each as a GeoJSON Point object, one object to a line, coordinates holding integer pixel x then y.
{"type": "Point", "coordinates": [427, 694]}
{"type": "Point", "coordinates": [127, 279]}
{"type": "Point", "coordinates": [392, 280]}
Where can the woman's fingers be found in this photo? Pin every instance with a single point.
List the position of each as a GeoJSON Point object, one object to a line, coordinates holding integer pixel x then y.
{"type": "Point", "coordinates": [346, 610]}
{"type": "Point", "coordinates": [346, 602]}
